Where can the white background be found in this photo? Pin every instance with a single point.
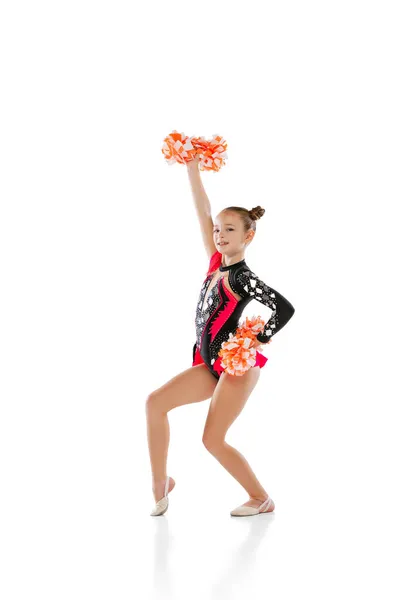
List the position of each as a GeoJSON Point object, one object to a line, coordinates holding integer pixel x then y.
{"type": "Point", "coordinates": [102, 262]}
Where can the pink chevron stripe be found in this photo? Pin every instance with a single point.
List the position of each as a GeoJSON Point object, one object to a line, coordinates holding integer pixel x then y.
{"type": "Point", "coordinates": [224, 314]}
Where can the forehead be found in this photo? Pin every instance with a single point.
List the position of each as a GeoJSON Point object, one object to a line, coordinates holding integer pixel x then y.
{"type": "Point", "coordinates": [227, 219]}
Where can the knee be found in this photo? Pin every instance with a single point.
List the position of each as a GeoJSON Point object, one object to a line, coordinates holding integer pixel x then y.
{"type": "Point", "coordinates": [152, 402]}
{"type": "Point", "coordinates": [212, 442]}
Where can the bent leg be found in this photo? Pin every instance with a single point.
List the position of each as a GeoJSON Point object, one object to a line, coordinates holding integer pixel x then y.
{"type": "Point", "coordinates": [228, 401]}
{"type": "Point", "coordinates": [192, 385]}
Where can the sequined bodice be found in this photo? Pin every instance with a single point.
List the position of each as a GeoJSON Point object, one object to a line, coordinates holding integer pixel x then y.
{"type": "Point", "coordinates": [225, 292]}
{"type": "Point", "coordinates": [203, 312]}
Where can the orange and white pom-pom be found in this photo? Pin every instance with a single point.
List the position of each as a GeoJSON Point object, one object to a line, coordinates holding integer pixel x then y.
{"type": "Point", "coordinates": [251, 327]}
{"type": "Point", "coordinates": [238, 353]}
{"type": "Point", "coordinates": [212, 153]}
{"type": "Point", "coordinates": [237, 356]}
{"type": "Point", "coordinates": [180, 148]}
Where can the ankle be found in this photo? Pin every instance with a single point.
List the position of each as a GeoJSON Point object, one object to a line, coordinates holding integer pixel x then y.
{"type": "Point", "coordinates": [261, 498]}
{"type": "Point", "coordinates": [159, 481]}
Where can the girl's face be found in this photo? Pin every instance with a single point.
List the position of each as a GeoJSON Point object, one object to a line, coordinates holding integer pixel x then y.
{"type": "Point", "coordinates": [228, 229]}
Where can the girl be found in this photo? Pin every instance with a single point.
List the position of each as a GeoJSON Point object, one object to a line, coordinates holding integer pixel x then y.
{"type": "Point", "coordinates": [229, 286]}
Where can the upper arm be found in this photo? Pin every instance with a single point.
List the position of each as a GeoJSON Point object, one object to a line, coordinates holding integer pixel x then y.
{"type": "Point", "coordinates": [207, 227]}
{"type": "Point", "coordinates": [282, 310]}
{"type": "Point", "coordinates": [250, 285]}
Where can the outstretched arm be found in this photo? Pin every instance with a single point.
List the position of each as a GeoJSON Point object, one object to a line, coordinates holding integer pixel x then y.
{"type": "Point", "coordinates": [203, 206]}
{"type": "Point", "coordinates": [282, 309]}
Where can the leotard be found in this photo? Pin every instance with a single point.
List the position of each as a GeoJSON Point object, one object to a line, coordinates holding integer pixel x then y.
{"type": "Point", "coordinates": [220, 317]}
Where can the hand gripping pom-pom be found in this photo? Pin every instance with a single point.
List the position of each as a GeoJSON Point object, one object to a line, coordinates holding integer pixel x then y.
{"type": "Point", "coordinates": [180, 148]}
{"type": "Point", "coordinates": [238, 354]}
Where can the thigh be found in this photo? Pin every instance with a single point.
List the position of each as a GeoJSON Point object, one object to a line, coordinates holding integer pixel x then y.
{"type": "Point", "coordinates": [229, 398]}
{"type": "Point", "coordinates": [192, 385]}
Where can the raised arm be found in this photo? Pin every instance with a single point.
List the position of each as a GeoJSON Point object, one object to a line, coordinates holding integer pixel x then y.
{"type": "Point", "coordinates": [203, 206]}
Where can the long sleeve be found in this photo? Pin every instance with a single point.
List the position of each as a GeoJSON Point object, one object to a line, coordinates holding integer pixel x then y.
{"type": "Point", "coordinates": [282, 309]}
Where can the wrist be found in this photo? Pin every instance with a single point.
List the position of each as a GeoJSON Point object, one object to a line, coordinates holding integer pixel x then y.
{"type": "Point", "coordinates": [263, 339]}
{"type": "Point", "coordinates": [192, 167]}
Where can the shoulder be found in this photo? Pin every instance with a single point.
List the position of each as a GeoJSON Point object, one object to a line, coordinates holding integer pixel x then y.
{"type": "Point", "coordinates": [244, 280]}
{"type": "Point", "coordinates": [214, 262]}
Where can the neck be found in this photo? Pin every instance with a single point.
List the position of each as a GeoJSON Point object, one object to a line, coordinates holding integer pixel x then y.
{"type": "Point", "coordinates": [231, 262]}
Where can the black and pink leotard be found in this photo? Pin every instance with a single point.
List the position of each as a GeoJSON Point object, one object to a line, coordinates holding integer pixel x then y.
{"type": "Point", "coordinates": [220, 317]}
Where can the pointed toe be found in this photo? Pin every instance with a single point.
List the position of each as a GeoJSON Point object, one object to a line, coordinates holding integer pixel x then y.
{"type": "Point", "coordinates": [160, 507]}
{"type": "Point", "coordinates": [162, 504]}
{"type": "Point", "coordinates": [247, 511]}
{"type": "Point", "coordinates": [244, 511]}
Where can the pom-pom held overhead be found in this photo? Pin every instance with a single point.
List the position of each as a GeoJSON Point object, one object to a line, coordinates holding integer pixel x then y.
{"type": "Point", "coordinates": [238, 353]}
{"type": "Point", "coordinates": [213, 155]}
{"type": "Point", "coordinates": [180, 148]}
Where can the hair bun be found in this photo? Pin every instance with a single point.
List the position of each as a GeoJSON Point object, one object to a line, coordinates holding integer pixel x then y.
{"type": "Point", "coordinates": [256, 213]}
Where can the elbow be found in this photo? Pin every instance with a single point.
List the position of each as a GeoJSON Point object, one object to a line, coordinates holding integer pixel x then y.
{"type": "Point", "coordinates": [289, 311]}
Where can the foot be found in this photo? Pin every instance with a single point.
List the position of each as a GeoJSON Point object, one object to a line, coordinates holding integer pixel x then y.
{"type": "Point", "coordinates": [256, 502]}
{"type": "Point", "coordinates": [159, 488]}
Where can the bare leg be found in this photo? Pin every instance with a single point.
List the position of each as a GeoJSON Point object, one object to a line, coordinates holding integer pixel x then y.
{"type": "Point", "coordinates": [192, 385]}
{"type": "Point", "coordinates": [239, 468]}
{"type": "Point", "coordinates": [228, 401]}
{"type": "Point", "coordinates": [236, 464]}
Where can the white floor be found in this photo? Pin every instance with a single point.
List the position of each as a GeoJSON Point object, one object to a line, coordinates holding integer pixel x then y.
{"type": "Point", "coordinates": [313, 547]}
{"type": "Point", "coordinates": [75, 519]}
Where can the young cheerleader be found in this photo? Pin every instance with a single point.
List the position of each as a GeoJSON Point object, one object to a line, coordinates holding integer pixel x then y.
{"type": "Point", "coordinates": [229, 286]}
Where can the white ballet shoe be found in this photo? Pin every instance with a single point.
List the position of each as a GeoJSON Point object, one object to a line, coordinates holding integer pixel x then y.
{"type": "Point", "coordinates": [247, 511]}
{"type": "Point", "coordinates": [162, 505]}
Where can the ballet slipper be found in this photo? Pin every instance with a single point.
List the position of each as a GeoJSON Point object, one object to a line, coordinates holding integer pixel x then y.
{"type": "Point", "coordinates": [247, 511]}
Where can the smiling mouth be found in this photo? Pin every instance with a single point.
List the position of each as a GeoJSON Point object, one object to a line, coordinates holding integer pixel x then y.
{"type": "Point", "coordinates": [224, 244]}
